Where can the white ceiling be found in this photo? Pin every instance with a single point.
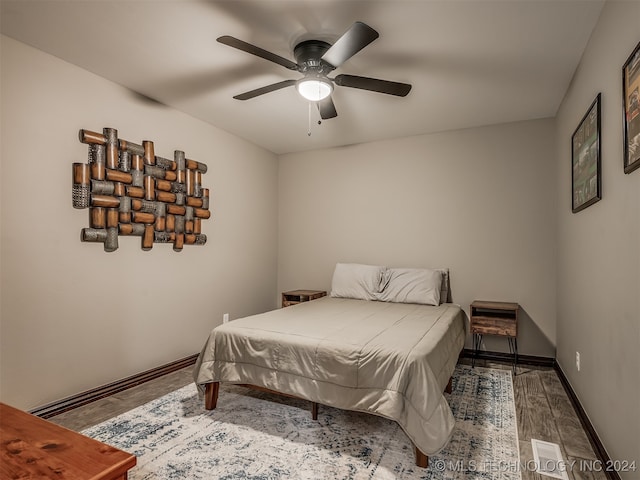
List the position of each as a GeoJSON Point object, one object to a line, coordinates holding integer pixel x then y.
{"type": "Point", "coordinates": [471, 63]}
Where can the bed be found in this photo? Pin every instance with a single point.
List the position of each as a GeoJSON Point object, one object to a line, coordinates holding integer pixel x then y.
{"type": "Point", "coordinates": [392, 359]}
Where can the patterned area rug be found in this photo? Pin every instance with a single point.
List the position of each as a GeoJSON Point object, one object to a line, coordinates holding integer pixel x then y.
{"type": "Point", "coordinates": [258, 436]}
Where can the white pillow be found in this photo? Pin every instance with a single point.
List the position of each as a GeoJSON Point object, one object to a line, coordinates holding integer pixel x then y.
{"type": "Point", "coordinates": [354, 280]}
{"type": "Point", "coordinates": [412, 285]}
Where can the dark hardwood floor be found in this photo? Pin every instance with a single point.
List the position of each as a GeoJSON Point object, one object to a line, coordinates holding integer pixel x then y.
{"type": "Point", "coordinates": [543, 410]}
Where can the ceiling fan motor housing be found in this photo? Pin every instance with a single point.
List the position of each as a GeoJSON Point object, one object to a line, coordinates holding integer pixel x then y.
{"type": "Point", "coordinates": [308, 56]}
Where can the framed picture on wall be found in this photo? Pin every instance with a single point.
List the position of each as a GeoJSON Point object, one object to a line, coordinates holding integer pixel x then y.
{"type": "Point", "coordinates": [586, 174]}
{"type": "Point", "coordinates": [631, 99]}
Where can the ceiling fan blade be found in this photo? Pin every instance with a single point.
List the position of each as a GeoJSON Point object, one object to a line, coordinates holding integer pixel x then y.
{"type": "Point", "coordinates": [355, 39]}
{"type": "Point", "coordinates": [373, 84]}
{"type": "Point", "coordinates": [257, 51]}
{"type": "Point", "coordinates": [327, 108]}
{"type": "Point", "coordinates": [261, 91]}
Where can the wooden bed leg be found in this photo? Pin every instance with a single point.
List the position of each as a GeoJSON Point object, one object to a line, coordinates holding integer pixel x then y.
{"type": "Point", "coordinates": [422, 460]}
{"type": "Point", "coordinates": [449, 387]}
{"type": "Point", "coordinates": [314, 410]}
{"type": "Point", "coordinates": [211, 395]}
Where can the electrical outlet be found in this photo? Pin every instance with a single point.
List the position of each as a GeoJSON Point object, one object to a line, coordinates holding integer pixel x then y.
{"type": "Point", "coordinates": [578, 360]}
{"type": "Point", "coordinates": [225, 318]}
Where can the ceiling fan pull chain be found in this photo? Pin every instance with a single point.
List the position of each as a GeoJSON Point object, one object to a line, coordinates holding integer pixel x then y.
{"type": "Point", "coordinates": [309, 127]}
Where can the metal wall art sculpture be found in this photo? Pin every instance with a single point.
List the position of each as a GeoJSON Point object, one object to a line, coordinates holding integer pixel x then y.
{"type": "Point", "coordinates": [131, 191]}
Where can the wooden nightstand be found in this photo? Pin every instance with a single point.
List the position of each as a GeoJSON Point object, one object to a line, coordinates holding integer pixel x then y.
{"type": "Point", "coordinates": [495, 318]}
{"type": "Point", "coordinates": [298, 296]}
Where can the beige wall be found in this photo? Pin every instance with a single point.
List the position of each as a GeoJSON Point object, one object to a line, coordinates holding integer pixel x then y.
{"type": "Point", "coordinates": [599, 248]}
{"type": "Point", "coordinates": [75, 317]}
{"type": "Point", "coordinates": [479, 201]}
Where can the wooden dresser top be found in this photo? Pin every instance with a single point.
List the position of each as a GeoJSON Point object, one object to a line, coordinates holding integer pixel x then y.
{"type": "Point", "coordinates": [31, 447]}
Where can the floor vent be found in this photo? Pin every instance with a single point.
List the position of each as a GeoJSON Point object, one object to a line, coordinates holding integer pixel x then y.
{"type": "Point", "coordinates": [548, 459]}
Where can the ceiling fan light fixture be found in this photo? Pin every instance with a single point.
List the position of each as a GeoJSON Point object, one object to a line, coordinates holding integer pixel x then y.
{"type": "Point", "coordinates": [314, 89]}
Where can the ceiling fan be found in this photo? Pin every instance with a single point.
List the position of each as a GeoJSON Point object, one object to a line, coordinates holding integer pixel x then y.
{"type": "Point", "coordinates": [315, 60]}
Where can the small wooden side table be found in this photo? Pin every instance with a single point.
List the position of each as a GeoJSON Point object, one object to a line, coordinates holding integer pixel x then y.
{"type": "Point", "coordinates": [495, 318]}
{"type": "Point", "coordinates": [31, 447]}
{"type": "Point", "coordinates": [294, 297]}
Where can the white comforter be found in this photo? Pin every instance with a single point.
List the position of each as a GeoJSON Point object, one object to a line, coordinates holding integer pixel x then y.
{"type": "Point", "coordinates": [389, 359]}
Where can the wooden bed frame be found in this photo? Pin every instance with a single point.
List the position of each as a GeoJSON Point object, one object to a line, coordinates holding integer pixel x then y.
{"type": "Point", "coordinates": [211, 401]}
